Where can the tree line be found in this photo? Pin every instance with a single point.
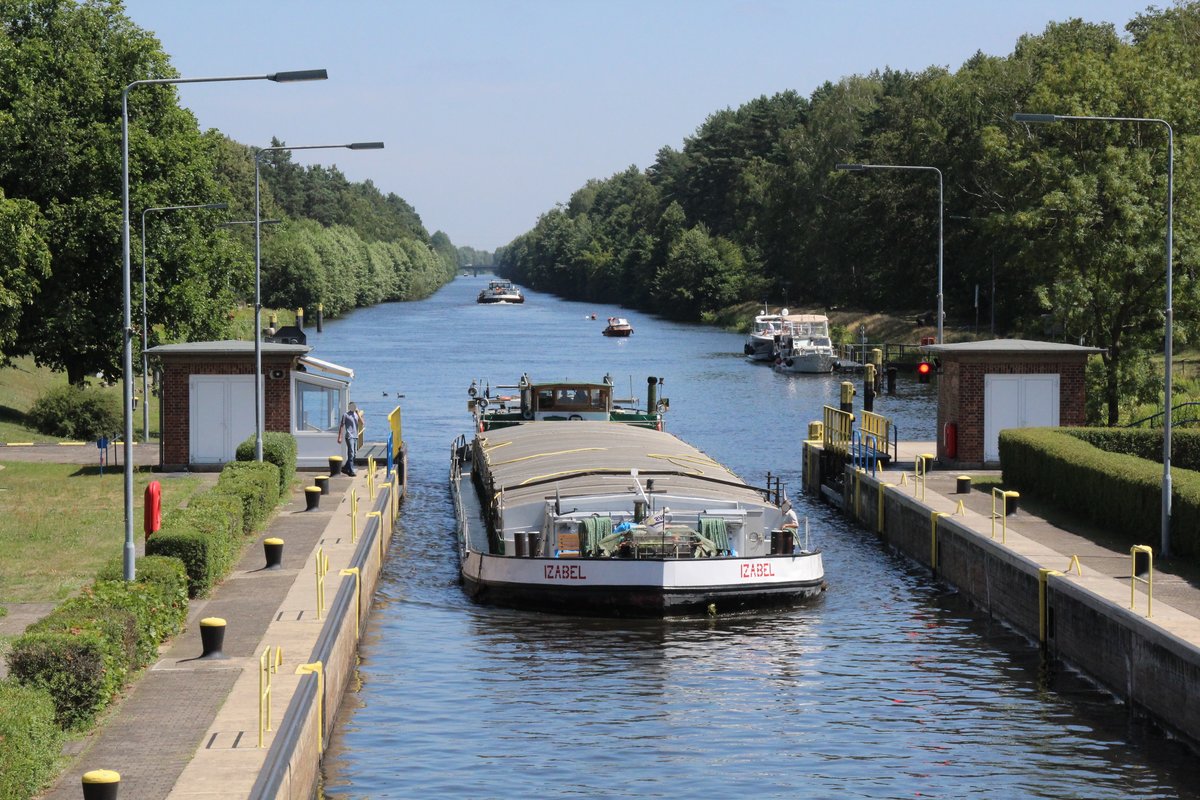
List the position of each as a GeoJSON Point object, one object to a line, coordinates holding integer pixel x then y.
{"type": "Point", "coordinates": [1068, 219]}
{"type": "Point", "coordinates": [63, 66]}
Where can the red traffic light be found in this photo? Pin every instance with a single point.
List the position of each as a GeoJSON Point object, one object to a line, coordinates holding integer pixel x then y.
{"type": "Point", "coordinates": [924, 368]}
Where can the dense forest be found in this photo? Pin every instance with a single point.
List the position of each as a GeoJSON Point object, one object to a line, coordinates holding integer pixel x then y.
{"type": "Point", "coordinates": [1067, 219]}
{"type": "Point", "coordinates": [63, 67]}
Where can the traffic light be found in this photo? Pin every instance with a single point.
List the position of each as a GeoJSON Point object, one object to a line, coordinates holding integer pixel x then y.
{"type": "Point", "coordinates": [923, 371]}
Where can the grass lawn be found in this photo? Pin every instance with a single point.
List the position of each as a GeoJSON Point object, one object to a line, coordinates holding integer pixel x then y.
{"type": "Point", "coordinates": [62, 522]}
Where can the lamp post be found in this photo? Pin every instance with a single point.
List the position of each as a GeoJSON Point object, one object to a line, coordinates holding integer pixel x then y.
{"type": "Point", "coordinates": [126, 320]}
{"type": "Point", "coordinates": [145, 325]}
{"type": "Point", "coordinates": [1168, 312]}
{"type": "Point", "coordinates": [861, 167]}
{"type": "Point", "coordinates": [258, 222]}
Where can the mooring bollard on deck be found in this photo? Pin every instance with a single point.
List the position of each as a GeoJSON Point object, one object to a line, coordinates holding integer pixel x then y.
{"type": "Point", "coordinates": [101, 784]}
{"type": "Point", "coordinates": [335, 466]}
{"type": "Point", "coordinates": [273, 550]}
{"type": "Point", "coordinates": [212, 637]}
{"type": "Point", "coordinates": [322, 482]}
{"type": "Point", "coordinates": [312, 498]}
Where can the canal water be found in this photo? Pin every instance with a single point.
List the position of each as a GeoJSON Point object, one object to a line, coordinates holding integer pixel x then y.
{"type": "Point", "coordinates": [888, 686]}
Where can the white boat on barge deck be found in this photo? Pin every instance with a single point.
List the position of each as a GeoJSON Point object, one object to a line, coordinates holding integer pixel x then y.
{"type": "Point", "coordinates": [608, 519]}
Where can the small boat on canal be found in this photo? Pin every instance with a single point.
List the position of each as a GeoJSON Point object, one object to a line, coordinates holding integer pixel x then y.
{"type": "Point", "coordinates": [589, 507]}
{"type": "Point", "coordinates": [500, 291]}
{"type": "Point", "coordinates": [618, 326]}
{"type": "Point", "coordinates": [806, 347]}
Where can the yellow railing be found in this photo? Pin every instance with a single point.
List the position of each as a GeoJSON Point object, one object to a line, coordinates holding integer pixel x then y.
{"type": "Point", "coordinates": [308, 669]}
{"type": "Point", "coordinates": [838, 430]}
{"type": "Point", "coordinates": [920, 470]}
{"type": "Point", "coordinates": [353, 516]}
{"type": "Point", "coordinates": [877, 424]}
{"type": "Point", "coordinates": [1133, 576]}
{"type": "Point", "coordinates": [322, 568]}
{"type": "Point", "coordinates": [394, 424]}
{"type": "Point", "coordinates": [1003, 496]}
{"type": "Point", "coordinates": [268, 665]}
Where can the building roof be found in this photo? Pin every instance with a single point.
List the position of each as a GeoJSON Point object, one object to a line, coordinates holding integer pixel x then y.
{"type": "Point", "coordinates": [1011, 347]}
{"type": "Point", "coordinates": [227, 347]}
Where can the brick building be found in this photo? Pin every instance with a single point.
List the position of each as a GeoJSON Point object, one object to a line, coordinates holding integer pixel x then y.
{"type": "Point", "coordinates": [207, 401]}
{"type": "Point", "coordinates": [985, 387]}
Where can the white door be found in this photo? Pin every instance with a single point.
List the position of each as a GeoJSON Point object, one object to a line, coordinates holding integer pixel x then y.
{"type": "Point", "coordinates": [221, 415]}
{"type": "Point", "coordinates": [1016, 401]}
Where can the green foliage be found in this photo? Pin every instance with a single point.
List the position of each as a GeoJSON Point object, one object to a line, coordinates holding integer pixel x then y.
{"type": "Point", "coordinates": [25, 265]}
{"type": "Point", "coordinates": [30, 740]}
{"type": "Point", "coordinates": [279, 449]}
{"type": "Point", "coordinates": [168, 576]}
{"type": "Point", "coordinates": [1116, 491]}
{"type": "Point", "coordinates": [200, 554]}
{"type": "Point", "coordinates": [76, 412]}
{"type": "Point", "coordinates": [258, 486]}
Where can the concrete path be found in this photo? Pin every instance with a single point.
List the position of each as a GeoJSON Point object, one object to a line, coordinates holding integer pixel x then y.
{"type": "Point", "coordinates": [189, 727]}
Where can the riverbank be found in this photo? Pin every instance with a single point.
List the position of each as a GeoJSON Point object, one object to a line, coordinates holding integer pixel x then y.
{"type": "Point", "coordinates": [189, 726]}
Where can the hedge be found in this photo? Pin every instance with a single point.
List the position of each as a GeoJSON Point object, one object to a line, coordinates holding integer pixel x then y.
{"type": "Point", "coordinates": [1118, 492]}
{"type": "Point", "coordinates": [258, 486]}
{"type": "Point", "coordinates": [30, 740]}
{"type": "Point", "coordinates": [201, 554]}
{"type": "Point", "coordinates": [1144, 443]}
{"type": "Point", "coordinates": [165, 572]}
{"type": "Point", "coordinates": [279, 449]}
{"type": "Point", "coordinates": [78, 668]}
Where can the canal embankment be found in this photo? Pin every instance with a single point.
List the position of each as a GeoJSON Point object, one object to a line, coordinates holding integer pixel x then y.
{"type": "Point", "coordinates": [1134, 632]}
{"type": "Point", "coordinates": [251, 718]}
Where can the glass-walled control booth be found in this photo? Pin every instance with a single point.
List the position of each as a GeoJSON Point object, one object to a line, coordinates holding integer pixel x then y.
{"type": "Point", "coordinates": [320, 394]}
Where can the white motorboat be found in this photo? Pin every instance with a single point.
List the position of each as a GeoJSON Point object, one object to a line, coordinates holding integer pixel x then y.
{"type": "Point", "coordinates": [807, 348]}
{"type": "Point", "coordinates": [604, 518]}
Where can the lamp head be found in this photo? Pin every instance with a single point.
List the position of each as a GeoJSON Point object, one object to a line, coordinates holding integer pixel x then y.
{"type": "Point", "coordinates": [299, 75]}
{"type": "Point", "coordinates": [849, 167]}
{"type": "Point", "coordinates": [365, 146]}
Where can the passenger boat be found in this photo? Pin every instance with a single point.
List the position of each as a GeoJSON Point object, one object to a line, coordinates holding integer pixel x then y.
{"type": "Point", "coordinates": [618, 326]}
{"type": "Point", "coordinates": [500, 291]}
{"type": "Point", "coordinates": [806, 348]}
{"type": "Point", "coordinates": [602, 518]}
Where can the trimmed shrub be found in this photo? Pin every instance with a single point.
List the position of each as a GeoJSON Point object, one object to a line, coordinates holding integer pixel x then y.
{"type": "Point", "coordinates": [258, 486]}
{"type": "Point", "coordinates": [152, 612]}
{"type": "Point", "coordinates": [279, 448]}
{"type": "Point", "coordinates": [71, 667]}
{"type": "Point", "coordinates": [1144, 443]}
{"type": "Point", "coordinates": [76, 413]}
{"type": "Point", "coordinates": [199, 553]}
{"type": "Point", "coordinates": [1118, 492]}
{"type": "Point", "coordinates": [165, 572]}
{"type": "Point", "coordinates": [222, 502]}
{"type": "Point", "coordinates": [30, 740]}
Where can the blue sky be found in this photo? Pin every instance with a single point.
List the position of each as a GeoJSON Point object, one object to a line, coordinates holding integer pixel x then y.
{"type": "Point", "coordinates": [493, 112]}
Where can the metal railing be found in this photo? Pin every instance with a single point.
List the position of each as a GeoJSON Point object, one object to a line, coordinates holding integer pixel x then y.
{"type": "Point", "coordinates": [838, 431]}
{"type": "Point", "coordinates": [1003, 496]}
{"type": "Point", "coordinates": [268, 665]}
{"type": "Point", "coordinates": [1134, 580]}
{"type": "Point", "coordinates": [884, 430]}
{"type": "Point", "coordinates": [1155, 420]}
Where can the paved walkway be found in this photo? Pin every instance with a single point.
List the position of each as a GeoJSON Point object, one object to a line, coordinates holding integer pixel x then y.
{"type": "Point", "coordinates": [189, 727]}
{"type": "Point", "coordinates": [1176, 584]}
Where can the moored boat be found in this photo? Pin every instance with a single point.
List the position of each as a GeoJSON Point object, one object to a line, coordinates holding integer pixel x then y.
{"type": "Point", "coordinates": [618, 326]}
{"type": "Point", "coordinates": [762, 342]}
{"type": "Point", "coordinates": [806, 348]}
{"type": "Point", "coordinates": [602, 518]}
{"type": "Point", "coordinates": [500, 291]}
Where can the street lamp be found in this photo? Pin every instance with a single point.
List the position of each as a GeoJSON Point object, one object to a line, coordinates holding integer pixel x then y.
{"type": "Point", "coordinates": [1168, 311]}
{"type": "Point", "coordinates": [126, 321]}
{"type": "Point", "coordinates": [861, 167]}
{"type": "Point", "coordinates": [145, 326]}
{"type": "Point", "coordinates": [258, 222]}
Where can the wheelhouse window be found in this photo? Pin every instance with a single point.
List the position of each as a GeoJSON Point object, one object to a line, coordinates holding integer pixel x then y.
{"type": "Point", "coordinates": [572, 398]}
{"type": "Point", "coordinates": [318, 406]}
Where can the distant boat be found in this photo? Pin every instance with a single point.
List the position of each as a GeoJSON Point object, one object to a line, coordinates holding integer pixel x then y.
{"type": "Point", "coordinates": [618, 326]}
{"type": "Point", "coordinates": [807, 348]}
{"type": "Point", "coordinates": [500, 291]}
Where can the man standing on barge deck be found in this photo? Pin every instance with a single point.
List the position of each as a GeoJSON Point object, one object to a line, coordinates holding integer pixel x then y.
{"type": "Point", "coordinates": [349, 428]}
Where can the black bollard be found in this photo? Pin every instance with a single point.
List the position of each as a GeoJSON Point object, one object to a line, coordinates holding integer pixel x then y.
{"type": "Point", "coordinates": [212, 636]}
{"type": "Point", "coordinates": [520, 544]}
{"type": "Point", "coordinates": [273, 550]}
{"type": "Point", "coordinates": [891, 380]}
{"type": "Point", "coordinates": [101, 784]}
{"type": "Point", "coordinates": [963, 485]}
{"type": "Point", "coordinates": [312, 498]}
{"type": "Point", "coordinates": [535, 544]}
{"type": "Point", "coordinates": [322, 482]}
{"type": "Point", "coordinates": [335, 466]}
{"type": "Point", "coordinates": [320, 317]}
